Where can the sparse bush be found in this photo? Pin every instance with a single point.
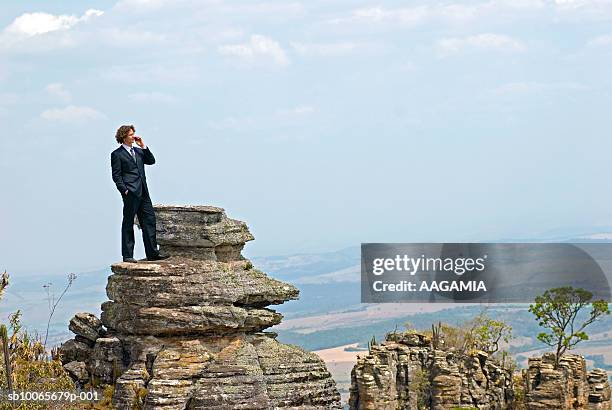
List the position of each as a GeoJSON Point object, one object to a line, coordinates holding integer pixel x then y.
{"type": "Point", "coordinates": [486, 334]}
{"type": "Point", "coordinates": [141, 394]}
{"type": "Point", "coordinates": [371, 343]}
{"type": "Point", "coordinates": [421, 385]}
{"type": "Point", "coordinates": [409, 326]}
{"type": "Point", "coordinates": [519, 391]}
{"type": "Point", "coordinates": [391, 335]}
{"type": "Point", "coordinates": [481, 333]}
{"type": "Point", "coordinates": [29, 367]}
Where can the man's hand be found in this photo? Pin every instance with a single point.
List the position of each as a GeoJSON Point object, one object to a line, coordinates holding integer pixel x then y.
{"type": "Point", "coordinates": [140, 141]}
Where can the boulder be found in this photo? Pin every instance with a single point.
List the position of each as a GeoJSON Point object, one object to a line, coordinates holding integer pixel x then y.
{"type": "Point", "coordinates": [86, 325]}
{"type": "Point", "coordinates": [106, 362]}
{"type": "Point", "coordinates": [74, 350]}
{"type": "Point", "coordinates": [77, 371]}
{"type": "Point", "coordinates": [200, 232]}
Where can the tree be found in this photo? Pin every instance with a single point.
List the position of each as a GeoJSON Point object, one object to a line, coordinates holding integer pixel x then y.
{"type": "Point", "coordinates": [558, 309]}
{"type": "Point", "coordinates": [486, 334]}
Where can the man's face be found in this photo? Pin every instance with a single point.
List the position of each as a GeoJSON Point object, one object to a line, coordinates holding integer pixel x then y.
{"type": "Point", "coordinates": [129, 139]}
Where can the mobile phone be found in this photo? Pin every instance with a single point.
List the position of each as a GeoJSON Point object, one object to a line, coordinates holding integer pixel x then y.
{"type": "Point", "coordinates": [137, 138]}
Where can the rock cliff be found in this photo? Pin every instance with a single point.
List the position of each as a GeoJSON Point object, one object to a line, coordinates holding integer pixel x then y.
{"type": "Point", "coordinates": [406, 372]}
{"type": "Point", "coordinates": [189, 332]}
{"type": "Point", "coordinates": [569, 386]}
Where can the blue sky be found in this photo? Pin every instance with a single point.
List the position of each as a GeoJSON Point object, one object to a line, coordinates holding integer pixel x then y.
{"type": "Point", "coordinates": [321, 124]}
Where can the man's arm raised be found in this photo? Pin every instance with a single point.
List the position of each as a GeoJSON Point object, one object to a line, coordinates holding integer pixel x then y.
{"type": "Point", "coordinates": [147, 155]}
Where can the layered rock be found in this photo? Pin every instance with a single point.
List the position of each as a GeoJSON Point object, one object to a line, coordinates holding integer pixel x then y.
{"type": "Point", "coordinates": [599, 390]}
{"type": "Point", "coordinates": [188, 332]}
{"type": "Point", "coordinates": [87, 326]}
{"type": "Point", "coordinates": [200, 232]}
{"type": "Point", "coordinates": [406, 372]}
{"type": "Point", "coordinates": [568, 386]}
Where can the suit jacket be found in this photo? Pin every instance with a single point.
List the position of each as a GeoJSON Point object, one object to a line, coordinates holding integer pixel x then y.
{"type": "Point", "coordinates": [129, 174]}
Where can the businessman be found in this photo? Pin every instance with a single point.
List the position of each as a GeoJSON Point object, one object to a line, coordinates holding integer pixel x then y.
{"type": "Point", "coordinates": [127, 164]}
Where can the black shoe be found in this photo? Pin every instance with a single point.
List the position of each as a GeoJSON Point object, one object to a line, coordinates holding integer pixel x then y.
{"type": "Point", "coordinates": [130, 260]}
{"type": "Point", "coordinates": [158, 257]}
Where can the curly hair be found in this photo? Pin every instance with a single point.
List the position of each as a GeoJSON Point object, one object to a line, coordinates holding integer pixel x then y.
{"type": "Point", "coordinates": [123, 132]}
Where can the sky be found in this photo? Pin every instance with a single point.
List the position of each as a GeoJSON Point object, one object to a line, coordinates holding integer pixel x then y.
{"type": "Point", "coordinates": [321, 124]}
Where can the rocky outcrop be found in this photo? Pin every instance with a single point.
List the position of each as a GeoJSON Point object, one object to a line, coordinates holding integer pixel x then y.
{"type": "Point", "coordinates": [200, 232]}
{"type": "Point", "coordinates": [599, 390]}
{"type": "Point", "coordinates": [568, 386]}
{"type": "Point", "coordinates": [406, 372]}
{"type": "Point", "coordinates": [189, 332]}
{"type": "Point", "coordinates": [186, 296]}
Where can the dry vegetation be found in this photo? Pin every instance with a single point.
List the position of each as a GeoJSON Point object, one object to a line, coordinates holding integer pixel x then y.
{"type": "Point", "coordinates": [25, 365]}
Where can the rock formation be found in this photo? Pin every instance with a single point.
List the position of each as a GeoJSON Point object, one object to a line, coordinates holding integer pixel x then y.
{"type": "Point", "coordinates": [569, 386]}
{"type": "Point", "coordinates": [188, 332]}
{"type": "Point", "coordinates": [406, 372]}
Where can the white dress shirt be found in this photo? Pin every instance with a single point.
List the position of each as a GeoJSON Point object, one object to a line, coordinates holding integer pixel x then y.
{"type": "Point", "coordinates": [128, 148]}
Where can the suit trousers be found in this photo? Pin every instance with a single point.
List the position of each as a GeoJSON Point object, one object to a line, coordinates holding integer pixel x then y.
{"type": "Point", "coordinates": [142, 207]}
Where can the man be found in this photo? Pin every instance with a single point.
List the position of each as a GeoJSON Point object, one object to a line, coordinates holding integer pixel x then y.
{"type": "Point", "coordinates": [127, 164]}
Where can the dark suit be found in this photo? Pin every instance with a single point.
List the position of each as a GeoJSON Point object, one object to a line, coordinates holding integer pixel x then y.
{"type": "Point", "coordinates": [129, 175]}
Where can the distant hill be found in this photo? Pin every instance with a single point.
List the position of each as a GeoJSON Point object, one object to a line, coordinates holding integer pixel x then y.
{"type": "Point", "coordinates": [329, 287]}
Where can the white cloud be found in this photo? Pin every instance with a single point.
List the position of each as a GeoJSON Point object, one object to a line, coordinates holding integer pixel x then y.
{"type": "Point", "coordinates": [408, 16]}
{"type": "Point", "coordinates": [582, 10]}
{"type": "Point", "coordinates": [151, 73]}
{"type": "Point", "coordinates": [217, 10]}
{"type": "Point", "coordinates": [153, 97]}
{"type": "Point", "coordinates": [46, 44]}
{"type": "Point", "coordinates": [572, 3]}
{"type": "Point", "coordinates": [32, 24]}
{"type": "Point", "coordinates": [225, 34]}
{"type": "Point", "coordinates": [72, 114]}
{"type": "Point", "coordinates": [234, 123]}
{"type": "Point", "coordinates": [43, 32]}
{"type": "Point", "coordinates": [273, 120]}
{"type": "Point", "coordinates": [486, 41]}
{"type": "Point", "coordinates": [9, 98]}
{"type": "Point", "coordinates": [58, 91]}
{"type": "Point", "coordinates": [325, 49]}
{"type": "Point", "coordinates": [258, 48]}
{"type": "Point", "coordinates": [456, 13]}
{"type": "Point", "coordinates": [299, 111]}
{"type": "Point", "coordinates": [601, 41]}
{"type": "Point", "coordinates": [130, 38]}
{"type": "Point", "coordinates": [142, 5]}
{"type": "Point", "coordinates": [281, 11]}
{"type": "Point", "coordinates": [517, 88]}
